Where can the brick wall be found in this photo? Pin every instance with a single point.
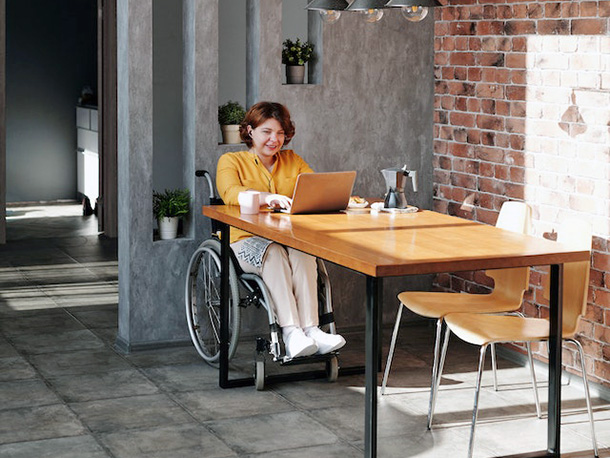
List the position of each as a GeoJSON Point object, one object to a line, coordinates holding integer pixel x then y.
{"type": "Point", "coordinates": [523, 113]}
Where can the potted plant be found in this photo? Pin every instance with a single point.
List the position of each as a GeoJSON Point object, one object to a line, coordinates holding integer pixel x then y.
{"type": "Point", "coordinates": [295, 55]}
{"type": "Point", "coordinates": [168, 207]}
{"type": "Point", "coordinates": [230, 115]}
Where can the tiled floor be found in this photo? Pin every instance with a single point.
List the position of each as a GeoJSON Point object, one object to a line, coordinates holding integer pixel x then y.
{"type": "Point", "coordinates": [65, 391]}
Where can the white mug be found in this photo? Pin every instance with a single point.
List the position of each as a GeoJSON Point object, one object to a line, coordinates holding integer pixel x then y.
{"type": "Point", "coordinates": [249, 202]}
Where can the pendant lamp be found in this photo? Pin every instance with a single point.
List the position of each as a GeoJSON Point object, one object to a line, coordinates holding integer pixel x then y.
{"type": "Point", "coordinates": [333, 5]}
{"type": "Point", "coordinates": [371, 9]}
{"type": "Point", "coordinates": [405, 3]}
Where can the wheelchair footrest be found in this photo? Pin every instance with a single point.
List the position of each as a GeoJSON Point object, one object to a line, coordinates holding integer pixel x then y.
{"type": "Point", "coordinates": [309, 359]}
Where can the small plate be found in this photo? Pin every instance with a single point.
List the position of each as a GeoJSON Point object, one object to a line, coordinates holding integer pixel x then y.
{"type": "Point", "coordinates": [360, 205]}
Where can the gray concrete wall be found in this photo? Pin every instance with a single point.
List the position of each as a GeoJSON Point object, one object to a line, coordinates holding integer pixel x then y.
{"type": "Point", "coordinates": [50, 56]}
{"type": "Point", "coordinates": [167, 95]}
{"type": "Point", "coordinates": [2, 123]}
{"type": "Point", "coordinates": [373, 109]}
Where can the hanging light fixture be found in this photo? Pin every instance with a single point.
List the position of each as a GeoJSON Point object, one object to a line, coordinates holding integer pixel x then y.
{"type": "Point", "coordinates": [372, 9]}
{"type": "Point", "coordinates": [413, 10]}
{"type": "Point", "coordinates": [330, 10]}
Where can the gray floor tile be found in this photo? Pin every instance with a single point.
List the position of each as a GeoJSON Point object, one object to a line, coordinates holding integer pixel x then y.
{"type": "Point", "coordinates": [64, 447]}
{"type": "Point", "coordinates": [337, 450]}
{"type": "Point", "coordinates": [283, 431]}
{"type": "Point", "coordinates": [117, 415]}
{"type": "Point", "coordinates": [237, 402]}
{"type": "Point", "coordinates": [35, 423]}
{"type": "Point", "coordinates": [78, 362]}
{"type": "Point", "coordinates": [49, 322]}
{"type": "Point", "coordinates": [79, 294]}
{"type": "Point", "coordinates": [16, 300]}
{"type": "Point", "coordinates": [15, 368]}
{"type": "Point", "coordinates": [165, 356]}
{"type": "Point", "coordinates": [190, 377]}
{"type": "Point", "coordinates": [26, 393]}
{"type": "Point", "coordinates": [6, 349]}
{"type": "Point", "coordinates": [63, 341]}
{"type": "Point", "coordinates": [107, 385]}
{"type": "Point", "coordinates": [320, 393]}
{"type": "Point", "coordinates": [97, 317]}
{"type": "Point", "coordinates": [184, 441]}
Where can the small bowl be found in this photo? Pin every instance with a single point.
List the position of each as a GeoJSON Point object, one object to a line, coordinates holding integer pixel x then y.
{"type": "Point", "coordinates": [356, 205]}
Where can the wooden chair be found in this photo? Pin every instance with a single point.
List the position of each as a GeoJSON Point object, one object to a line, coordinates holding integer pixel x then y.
{"type": "Point", "coordinates": [506, 297]}
{"type": "Point", "coordinates": [484, 330]}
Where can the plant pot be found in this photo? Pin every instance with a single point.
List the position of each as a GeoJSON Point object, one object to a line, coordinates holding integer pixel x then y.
{"type": "Point", "coordinates": [168, 227]}
{"type": "Point", "coordinates": [230, 134]}
{"type": "Point", "coordinates": [295, 74]}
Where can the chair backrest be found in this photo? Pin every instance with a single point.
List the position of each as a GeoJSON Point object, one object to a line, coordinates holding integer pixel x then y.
{"type": "Point", "coordinates": [576, 234]}
{"type": "Point", "coordinates": [511, 284]}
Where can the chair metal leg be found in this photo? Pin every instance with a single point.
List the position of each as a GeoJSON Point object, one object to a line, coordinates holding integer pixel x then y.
{"type": "Point", "coordinates": [533, 375]}
{"type": "Point", "coordinates": [388, 364]}
{"type": "Point", "coordinates": [587, 396]}
{"type": "Point", "coordinates": [494, 366]}
{"type": "Point", "coordinates": [475, 410]}
{"type": "Point", "coordinates": [437, 368]}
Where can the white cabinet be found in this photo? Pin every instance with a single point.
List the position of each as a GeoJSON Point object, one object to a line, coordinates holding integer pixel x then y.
{"type": "Point", "coordinates": [87, 159]}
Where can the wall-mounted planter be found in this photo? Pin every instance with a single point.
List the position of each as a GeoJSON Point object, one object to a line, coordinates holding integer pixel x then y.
{"type": "Point", "coordinates": [295, 74]}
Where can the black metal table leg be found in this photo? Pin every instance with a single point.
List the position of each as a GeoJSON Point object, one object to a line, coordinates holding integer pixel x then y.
{"type": "Point", "coordinates": [373, 287]}
{"type": "Point", "coordinates": [223, 373]}
{"type": "Point", "coordinates": [555, 341]}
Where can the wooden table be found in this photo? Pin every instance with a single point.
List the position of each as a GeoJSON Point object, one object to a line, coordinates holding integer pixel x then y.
{"type": "Point", "coordinates": [384, 245]}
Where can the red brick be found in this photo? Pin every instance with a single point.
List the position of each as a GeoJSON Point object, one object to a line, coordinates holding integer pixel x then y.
{"type": "Point", "coordinates": [596, 278]}
{"type": "Point", "coordinates": [461, 73]}
{"type": "Point", "coordinates": [601, 261]}
{"type": "Point", "coordinates": [554, 27]}
{"type": "Point", "coordinates": [441, 58]}
{"type": "Point", "coordinates": [515, 92]}
{"type": "Point", "coordinates": [504, 12]}
{"type": "Point", "coordinates": [520, 28]}
{"type": "Point", "coordinates": [535, 10]}
{"type": "Point", "coordinates": [490, 122]}
{"type": "Point", "coordinates": [519, 11]}
{"type": "Point", "coordinates": [474, 44]}
{"type": "Point", "coordinates": [488, 106]}
{"type": "Point", "coordinates": [488, 59]}
{"type": "Point", "coordinates": [461, 150]}
{"type": "Point", "coordinates": [601, 332]}
{"type": "Point", "coordinates": [473, 105]}
{"type": "Point", "coordinates": [516, 158]}
{"type": "Point", "coordinates": [462, 58]}
{"type": "Point", "coordinates": [594, 313]}
{"type": "Point", "coordinates": [518, 77]}
{"type": "Point", "coordinates": [552, 9]}
{"type": "Point", "coordinates": [462, 28]}
{"type": "Point", "coordinates": [519, 44]}
{"type": "Point", "coordinates": [441, 28]}
{"type": "Point", "coordinates": [489, 154]}
{"type": "Point", "coordinates": [457, 88]}
{"type": "Point", "coordinates": [604, 9]}
{"type": "Point", "coordinates": [570, 9]}
{"type": "Point", "coordinates": [602, 298]}
{"type": "Point", "coordinates": [518, 109]}
{"type": "Point", "coordinates": [448, 13]}
{"type": "Point", "coordinates": [474, 74]}
{"type": "Point", "coordinates": [488, 74]}
{"type": "Point", "coordinates": [515, 191]}
{"type": "Point", "coordinates": [448, 73]}
{"type": "Point", "coordinates": [461, 43]}
{"type": "Point", "coordinates": [438, 205]}
{"type": "Point", "coordinates": [485, 90]}
{"type": "Point", "coordinates": [440, 147]}
{"type": "Point", "coordinates": [588, 9]}
{"type": "Point", "coordinates": [461, 103]}
{"type": "Point", "coordinates": [503, 75]}
{"type": "Point", "coordinates": [463, 180]}
{"type": "Point", "coordinates": [446, 133]}
{"type": "Point", "coordinates": [588, 26]}
{"type": "Point", "coordinates": [502, 140]}
{"type": "Point", "coordinates": [448, 43]}
{"type": "Point", "coordinates": [602, 369]}
{"type": "Point", "coordinates": [517, 142]}
{"type": "Point", "coordinates": [487, 169]}
{"type": "Point", "coordinates": [441, 87]}
{"type": "Point", "coordinates": [502, 172]}
{"type": "Point", "coordinates": [488, 138]}
{"type": "Point", "coordinates": [447, 102]}
{"type": "Point", "coordinates": [490, 28]}
{"type": "Point", "coordinates": [517, 175]}
{"type": "Point", "coordinates": [502, 108]}
{"type": "Point", "coordinates": [459, 134]}
{"type": "Point", "coordinates": [474, 136]}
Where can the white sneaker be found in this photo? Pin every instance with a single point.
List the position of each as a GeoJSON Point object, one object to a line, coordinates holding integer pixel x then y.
{"type": "Point", "coordinates": [326, 342]}
{"type": "Point", "coordinates": [298, 344]}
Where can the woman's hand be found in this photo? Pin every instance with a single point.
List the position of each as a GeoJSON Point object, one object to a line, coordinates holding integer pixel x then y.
{"type": "Point", "coordinates": [276, 200]}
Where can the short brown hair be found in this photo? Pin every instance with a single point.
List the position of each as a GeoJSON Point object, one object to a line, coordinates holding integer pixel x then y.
{"type": "Point", "coordinates": [261, 112]}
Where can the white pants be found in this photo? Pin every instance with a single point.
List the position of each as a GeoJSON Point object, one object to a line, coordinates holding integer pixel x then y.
{"type": "Point", "coordinates": [291, 278]}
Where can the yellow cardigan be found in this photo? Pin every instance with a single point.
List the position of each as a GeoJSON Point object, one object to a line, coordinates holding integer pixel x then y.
{"type": "Point", "coordinates": [242, 170]}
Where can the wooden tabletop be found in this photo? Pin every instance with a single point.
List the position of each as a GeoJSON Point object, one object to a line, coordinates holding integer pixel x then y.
{"type": "Point", "coordinates": [383, 244]}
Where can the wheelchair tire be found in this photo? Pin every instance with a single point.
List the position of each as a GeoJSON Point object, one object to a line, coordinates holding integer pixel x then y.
{"type": "Point", "coordinates": [332, 369]}
{"type": "Point", "coordinates": [202, 301]}
{"type": "Point", "coordinates": [259, 374]}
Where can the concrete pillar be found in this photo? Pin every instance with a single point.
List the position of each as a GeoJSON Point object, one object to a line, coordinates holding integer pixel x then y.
{"type": "Point", "coordinates": [2, 121]}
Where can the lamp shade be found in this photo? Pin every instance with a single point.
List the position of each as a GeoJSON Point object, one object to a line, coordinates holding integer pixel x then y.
{"type": "Point", "coordinates": [365, 5]}
{"type": "Point", "coordinates": [403, 3]}
{"type": "Point", "coordinates": [322, 5]}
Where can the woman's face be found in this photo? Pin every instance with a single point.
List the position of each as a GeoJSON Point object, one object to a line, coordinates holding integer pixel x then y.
{"type": "Point", "coordinates": [267, 138]}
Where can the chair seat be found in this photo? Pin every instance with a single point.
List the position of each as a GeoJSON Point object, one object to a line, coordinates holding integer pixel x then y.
{"type": "Point", "coordinates": [485, 329]}
{"type": "Point", "coordinates": [437, 305]}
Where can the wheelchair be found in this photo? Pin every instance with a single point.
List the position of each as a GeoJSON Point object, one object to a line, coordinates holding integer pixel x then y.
{"type": "Point", "coordinates": [202, 302]}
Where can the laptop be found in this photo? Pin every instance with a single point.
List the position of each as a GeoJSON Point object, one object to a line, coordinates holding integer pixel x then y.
{"type": "Point", "coordinates": [322, 192]}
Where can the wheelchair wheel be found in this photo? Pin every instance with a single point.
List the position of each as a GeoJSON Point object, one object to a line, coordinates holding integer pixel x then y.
{"type": "Point", "coordinates": [202, 300]}
{"type": "Point", "coordinates": [332, 369]}
{"type": "Point", "coordinates": [259, 374]}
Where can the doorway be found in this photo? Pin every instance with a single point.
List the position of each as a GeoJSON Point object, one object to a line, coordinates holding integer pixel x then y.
{"type": "Point", "coordinates": [64, 58]}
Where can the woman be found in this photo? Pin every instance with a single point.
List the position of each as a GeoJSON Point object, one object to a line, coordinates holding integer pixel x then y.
{"type": "Point", "coordinates": [290, 275]}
